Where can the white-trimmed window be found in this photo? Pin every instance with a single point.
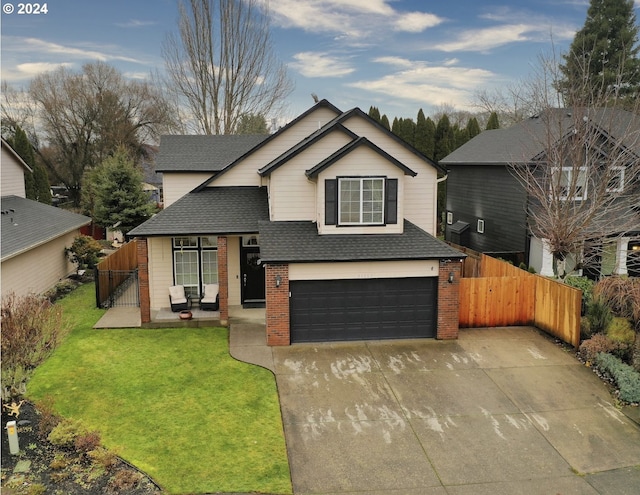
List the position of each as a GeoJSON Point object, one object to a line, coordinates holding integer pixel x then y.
{"type": "Point", "coordinates": [361, 201]}
{"type": "Point", "coordinates": [449, 218]}
{"type": "Point", "coordinates": [616, 179]}
{"type": "Point", "coordinates": [571, 183]}
{"type": "Point", "coordinates": [480, 226]}
{"type": "Point", "coordinates": [195, 262]}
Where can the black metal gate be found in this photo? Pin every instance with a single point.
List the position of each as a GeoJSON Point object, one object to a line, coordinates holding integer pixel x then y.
{"type": "Point", "coordinates": [117, 288]}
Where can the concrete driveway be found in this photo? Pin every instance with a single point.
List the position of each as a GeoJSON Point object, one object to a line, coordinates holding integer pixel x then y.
{"type": "Point", "coordinates": [498, 411]}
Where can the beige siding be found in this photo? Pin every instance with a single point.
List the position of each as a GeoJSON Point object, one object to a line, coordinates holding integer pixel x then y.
{"type": "Point", "coordinates": [160, 271]}
{"type": "Point", "coordinates": [363, 270]}
{"type": "Point", "coordinates": [292, 194]}
{"type": "Point", "coordinates": [361, 162]}
{"type": "Point", "coordinates": [175, 185]}
{"type": "Point", "coordinates": [420, 194]}
{"type": "Point", "coordinates": [39, 269]}
{"type": "Point", "coordinates": [245, 173]}
{"type": "Point", "coordinates": [12, 175]}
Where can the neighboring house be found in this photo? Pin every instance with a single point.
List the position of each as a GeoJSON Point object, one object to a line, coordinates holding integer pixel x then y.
{"type": "Point", "coordinates": [34, 236]}
{"type": "Point", "coordinates": [487, 207]}
{"type": "Point", "coordinates": [329, 222]}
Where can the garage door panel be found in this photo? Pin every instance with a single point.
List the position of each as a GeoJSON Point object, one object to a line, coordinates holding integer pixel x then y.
{"type": "Point", "coordinates": [329, 310]}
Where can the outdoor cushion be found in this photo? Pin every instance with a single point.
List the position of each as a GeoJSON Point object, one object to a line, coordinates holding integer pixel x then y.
{"type": "Point", "coordinates": [210, 293]}
{"type": "Point", "coordinates": [176, 294]}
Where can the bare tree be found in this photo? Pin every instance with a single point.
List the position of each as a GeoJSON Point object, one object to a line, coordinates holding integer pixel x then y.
{"type": "Point", "coordinates": [83, 117]}
{"type": "Point", "coordinates": [16, 110]}
{"type": "Point", "coordinates": [580, 168]}
{"type": "Point", "coordinates": [222, 64]}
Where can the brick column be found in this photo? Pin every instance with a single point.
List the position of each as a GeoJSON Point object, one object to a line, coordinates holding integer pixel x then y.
{"type": "Point", "coordinates": [143, 280]}
{"type": "Point", "coordinates": [277, 300]}
{"type": "Point", "coordinates": [448, 299]}
{"type": "Point", "coordinates": [223, 280]}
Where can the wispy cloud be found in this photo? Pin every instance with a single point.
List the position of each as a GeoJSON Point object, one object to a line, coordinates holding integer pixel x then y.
{"type": "Point", "coordinates": [429, 84]}
{"type": "Point", "coordinates": [480, 40]}
{"type": "Point", "coordinates": [351, 20]}
{"type": "Point", "coordinates": [319, 64]}
{"type": "Point", "coordinates": [135, 23]}
{"type": "Point", "coordinates": [41, 47]}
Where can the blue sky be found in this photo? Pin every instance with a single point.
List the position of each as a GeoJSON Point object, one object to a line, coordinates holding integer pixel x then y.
{"type": "Point", "coordinates": [399, 55]}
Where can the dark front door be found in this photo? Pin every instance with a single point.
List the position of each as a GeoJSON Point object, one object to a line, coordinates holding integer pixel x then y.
{"type": "Point", "coordinates": [252, 273]}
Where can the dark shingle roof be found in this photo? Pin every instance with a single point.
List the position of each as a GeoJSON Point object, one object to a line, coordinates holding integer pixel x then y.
{"type": "Point", "coordinates": [203, 153]}
{"type": "Point", "coordinates": [300, 242]}
{"type": "Point", "coordinates": [213, 210]}
{"type": "Point", "coordinates": [525, 141]}
{"type": "Point", "coordinates": [33, 224]}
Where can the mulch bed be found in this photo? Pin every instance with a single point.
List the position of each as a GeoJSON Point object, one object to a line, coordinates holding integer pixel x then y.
{"type": "Point", "coordinates": [30, 471]}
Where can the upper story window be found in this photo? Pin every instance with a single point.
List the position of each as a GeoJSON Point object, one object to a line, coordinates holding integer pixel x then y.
{"type": "Point", "coordinates": [571, 183]}
{"type": "Point", "coordinates": [361, 201]}
{"type": "Point", "coordinates": [616, 180]}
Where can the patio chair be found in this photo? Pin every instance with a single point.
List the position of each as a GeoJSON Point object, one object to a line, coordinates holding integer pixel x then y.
{"type": "Point", "coordinates": [178, 299]}
{"type": "Point", "coordinates": [210, 297]}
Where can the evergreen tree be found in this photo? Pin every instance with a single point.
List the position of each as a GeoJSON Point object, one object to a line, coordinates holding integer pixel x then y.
{"type": "Point", "coordinates": [395, 127]}
{"type": "Point", "coordinates": [423, 137]}
{"type": "Point", "coordinates": [473, 128]}
{"type": "Point", "coordinates": [37, 182]}
{"type": "Point", "coordinates": [384, 122]}
{"type": "Point", "coordinates": [493, 122]}
{"type": "Point", "coordinates": [374, 113]}
{"type": "Point", "coordinates": [461, 136]}
{"type": "Point", "coordinates": [252, 124]}
{"type": "Point", "coordinates": [430, 148]}
{"type": "Point", "coordinates": [444, 139]}
{"type": "Point", "coordinates": [119, 198]}
{"type": "Point", "coordinates": [603, 57]}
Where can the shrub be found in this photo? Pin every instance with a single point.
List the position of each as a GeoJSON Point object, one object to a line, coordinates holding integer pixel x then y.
{"type": "Point", "coordinates": [622, 295]}
{"type": "Point", "coordinates": [599, 315]}
{"type": "Point", "coordinates": [585, 328]}
{"type": "Point", "coordinates": [66, 432]}
{"type": "Point", "coordinates": [48, 420]}
{"type": "Point", "coordinates": [585, 285]}
{"type": "Point", "coordinates": [84, 251]}
{"type": "Point", "coordinates": [589, 349]}
{"type": "Point", "coordinates": [103, 457]}
{"type": "Point", "coordinates": [31, 329]}
{"type": "Point", "coordinates": [620, 330]}
{"type": "Point", "coordinates": [625, 377]}
{"type": "Point", "coordinates": [124, 480]}
{"type": "Point", "coordinates": [86, 442]}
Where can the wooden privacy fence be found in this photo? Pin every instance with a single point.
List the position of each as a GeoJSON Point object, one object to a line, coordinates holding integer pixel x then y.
{"type": "Point", "coordinates": [503, 295]}
{"type": "Point", "coordinates": [117, 276]}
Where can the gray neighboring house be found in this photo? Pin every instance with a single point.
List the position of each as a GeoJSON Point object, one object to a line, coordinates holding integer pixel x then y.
{"type": "Point", "coordinates": [487, 206]}
{"type": "Point", "coordinates": [34, 236]}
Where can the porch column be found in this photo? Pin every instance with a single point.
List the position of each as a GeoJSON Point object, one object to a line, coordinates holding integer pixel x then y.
{"type": "Point", "coordinates": [449, 299]}
{"type": "Point", "coordinates": [143, 279]}
{"type": "Point", "coordinates": [546, 270]}
{"type": "Point", "coordinates": [622, 250]}
{"type": "Point", "coordinates": [277, 302]}
{"type": "Point", "coordinates": [223, 280]}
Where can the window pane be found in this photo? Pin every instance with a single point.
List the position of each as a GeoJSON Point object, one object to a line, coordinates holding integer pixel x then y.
{"type": "Point", "coordinates": [209, 267]}
{"type": "Point", "coordinates": [186, 270]}
{"type": "Point", "coordinates": [185, 242]}
{"type": "Point", "coordinates": [349, 200]}
{"type": "Point", "coordinates": [209, 241]}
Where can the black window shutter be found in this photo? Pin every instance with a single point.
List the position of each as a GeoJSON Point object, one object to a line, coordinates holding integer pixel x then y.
{"type": "Point", "coordinates": [331, 201]}
{"type": "Point", "coordinates": [391, 202]}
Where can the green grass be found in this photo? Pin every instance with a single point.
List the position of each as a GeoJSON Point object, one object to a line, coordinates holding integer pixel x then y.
{"type": "Point", "coordinates": [170, 401]}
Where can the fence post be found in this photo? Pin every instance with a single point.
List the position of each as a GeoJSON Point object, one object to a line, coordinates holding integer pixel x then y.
{"type": "Point", "coordinates": [111, 298]}
{"type": "Point", "coordinates": [96, 276]}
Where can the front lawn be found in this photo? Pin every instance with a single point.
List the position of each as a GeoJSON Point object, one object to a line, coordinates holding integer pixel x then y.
{"type": "Point", "coordinates": [170, 401]}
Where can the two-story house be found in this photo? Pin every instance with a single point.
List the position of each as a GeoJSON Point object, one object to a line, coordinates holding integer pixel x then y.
{"type": "Point", "coordinates": [489, 210]}
{"type": "Point", "coordinates": [329, 222]}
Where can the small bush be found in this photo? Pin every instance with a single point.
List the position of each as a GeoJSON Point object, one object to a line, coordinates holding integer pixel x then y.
{"type": "Point", "coordinates": [48, 419]}
{"type": "Point", "coordinates": [124, 480]}
{"type": "Point", "coordinates": [599, 315]}
{"type": "Point", "coordinates": [585, 328]}
{"type": "Point", "coordinates": [626, 379]}
{"type": "Point", "coordinates": [589, 349]}
{"type": "Point", "coordinates": [620, 330]}
{"type": "Point", "coordinates": [86, 442]}
{"type": "Point", "coordinates": [103, 457]}
{"type": "Point", "coordinates": [66, 432]}
{"type": "Point", "coordinates": [60, 461]}
{"type": "Point", "coordinates": [31, 329]}
{"type": "Point", "coordinates": [622, 295]}
{"type": "Point", "coordinates": [37, 489]}
{"type": "Point", "coordinates": [85, 251]}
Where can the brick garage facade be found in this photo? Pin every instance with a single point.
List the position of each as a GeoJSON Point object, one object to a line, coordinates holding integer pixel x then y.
{"type": "Point", "coordinates": [277, 302]}
{"type": "Point", "coordinates": [448, 299]}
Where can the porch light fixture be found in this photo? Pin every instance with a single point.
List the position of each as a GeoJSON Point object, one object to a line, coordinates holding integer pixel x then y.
{"type": "Point", "coordinates": [450, 279]}
{"type": "Point", "coordinates": [278, 280]}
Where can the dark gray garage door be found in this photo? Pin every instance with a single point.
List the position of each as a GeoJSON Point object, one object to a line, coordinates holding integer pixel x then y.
{"type": "Point", "coordinates": [327, 310]}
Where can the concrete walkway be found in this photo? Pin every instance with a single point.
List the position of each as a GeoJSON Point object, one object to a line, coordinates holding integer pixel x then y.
{"type": "Point", "coordinates": [500, 411]}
